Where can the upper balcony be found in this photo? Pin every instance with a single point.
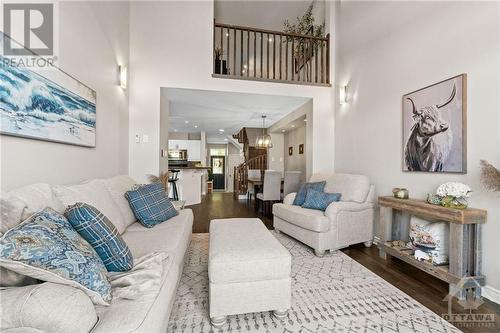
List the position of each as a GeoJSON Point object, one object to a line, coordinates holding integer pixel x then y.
{"type": "Point", "coordinates": [247, 53]}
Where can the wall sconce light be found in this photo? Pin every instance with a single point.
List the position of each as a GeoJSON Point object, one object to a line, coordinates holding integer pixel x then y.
{"type": "Point", "coordinates": [343, 95]}
{"type": "Point", "coordinates": [123, 77]}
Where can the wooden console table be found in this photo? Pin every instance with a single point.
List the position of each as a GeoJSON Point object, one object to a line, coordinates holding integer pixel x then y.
{"type": "Point", "coordinates": [464, 269]}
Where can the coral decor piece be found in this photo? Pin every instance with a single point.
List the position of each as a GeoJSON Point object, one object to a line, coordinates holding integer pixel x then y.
{"type": "Point", "coordinates": [490, 176]}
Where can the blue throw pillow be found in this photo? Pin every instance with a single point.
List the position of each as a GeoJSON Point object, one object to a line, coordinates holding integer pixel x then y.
{"type": "Point", "coordinates": [319, 200]}
{"type": "Point", "coordinates": [98, 230]}
{"type": "Point", "coordinates": [150, 204]}
{"type": "Point", "coordinates": [300, 197]}
{"type": "Point", "coordinates": [47, 248]}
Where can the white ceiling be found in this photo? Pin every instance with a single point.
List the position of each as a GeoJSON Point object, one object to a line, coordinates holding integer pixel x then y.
{"type": "Point", "coordinates": [203, 110]}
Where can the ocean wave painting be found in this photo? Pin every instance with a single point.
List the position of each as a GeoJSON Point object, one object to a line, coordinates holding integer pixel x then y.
{"type": "Point", "coordinates": [59, 109]}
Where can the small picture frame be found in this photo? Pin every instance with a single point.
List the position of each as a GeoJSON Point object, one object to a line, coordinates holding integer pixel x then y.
{"type": "Point", "coordinates": [301, 148]}
{"type": "Point", "coordinates": [290, 151]}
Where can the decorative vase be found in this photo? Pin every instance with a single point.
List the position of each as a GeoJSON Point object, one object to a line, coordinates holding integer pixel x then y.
{"type": "Point", "coordinates": [434, 199]}
{"type": "Point", "coordinates": [454, 202]}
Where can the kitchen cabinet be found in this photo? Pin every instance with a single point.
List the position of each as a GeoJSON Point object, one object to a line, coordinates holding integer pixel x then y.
{"type": "Point", "coordinates": [193, 148]}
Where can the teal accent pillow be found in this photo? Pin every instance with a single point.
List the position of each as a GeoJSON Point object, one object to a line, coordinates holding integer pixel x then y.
{"type": "Point", "coordinates": [150, 204]}
{"type": "Point", "coordinates": [98, 230]}
{"type": "Point", "coordinates": [300, 197]}
{"type": "Point", "coordinates": [319, 200]}
{"type": "Point", "coordinates": [46, 247]}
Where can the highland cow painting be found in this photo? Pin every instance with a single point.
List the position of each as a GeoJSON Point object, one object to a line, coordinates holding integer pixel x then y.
{"type": "Point", "coordinates": [434, 127]}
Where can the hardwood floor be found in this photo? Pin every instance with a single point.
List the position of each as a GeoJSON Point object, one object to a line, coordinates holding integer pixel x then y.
{"type": "Point", "coordinates": [424, 288]}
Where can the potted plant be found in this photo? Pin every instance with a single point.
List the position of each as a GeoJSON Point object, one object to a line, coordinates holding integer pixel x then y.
{"type": "Point", "coordinates": [304, 48]}
{"type": "Point", "coordinates": [219, 61]}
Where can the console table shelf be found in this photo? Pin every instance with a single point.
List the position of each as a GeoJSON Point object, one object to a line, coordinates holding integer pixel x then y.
{"type": "Point", "coordinates": [464, 269]}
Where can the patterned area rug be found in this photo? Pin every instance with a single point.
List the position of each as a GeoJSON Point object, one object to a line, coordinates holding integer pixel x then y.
{"type": "Point", "coordinates": [329, 294]}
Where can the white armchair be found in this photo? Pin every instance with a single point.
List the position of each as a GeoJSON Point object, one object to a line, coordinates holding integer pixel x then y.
{"type": "Point", "coordinates": [349, 221]}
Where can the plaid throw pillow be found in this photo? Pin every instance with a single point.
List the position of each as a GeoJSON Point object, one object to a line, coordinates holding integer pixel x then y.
{"type": "Point", "coordinates": [150, 204]}
{"type": "Point", "coordinates": [319, 200]}
{"type": "Point", "coordinates": [98, 230]}
{"type": "Point", "coordinates": [300, 197]}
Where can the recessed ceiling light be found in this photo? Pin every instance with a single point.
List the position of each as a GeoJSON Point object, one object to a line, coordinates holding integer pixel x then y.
{"type": "Point", "coordinates": [175, 130]}
{"type": "Point", "coordinates": [221, 130]}
{"type": "Point", "coordinates": [186, 122]}
{"type": "Point", "coordinates": [195, 126]}
{"type": "Point", "coordinates": [283, 130]}
{"type": "Point", "coordinates": [225, 139]}
{"type": "Point", "coordinates": [293, 126]}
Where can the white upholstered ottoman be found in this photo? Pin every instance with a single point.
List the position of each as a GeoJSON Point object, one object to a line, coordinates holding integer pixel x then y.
{"type": "Point", "coordinates": [248, 270]}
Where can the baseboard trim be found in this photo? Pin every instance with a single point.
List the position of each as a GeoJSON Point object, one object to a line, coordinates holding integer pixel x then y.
{"type": "Point", "coordinates": [491, 293]}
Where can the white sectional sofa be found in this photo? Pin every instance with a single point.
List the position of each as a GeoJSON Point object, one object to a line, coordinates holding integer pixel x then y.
{"type": "Point", "coordinates": [22, 310]}
{"type": "Point", "coordinates": [349, 221]}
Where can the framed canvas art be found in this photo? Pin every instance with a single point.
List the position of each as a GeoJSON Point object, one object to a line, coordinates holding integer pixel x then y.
{"type": "Point", "coordinates": [301, 148]}
{"type": "Point", "coordinates": [435, 127]}
{"type": "Point", "coordinates": [46, 104]}
{"type": "Point", "coordinates": [290, 151]}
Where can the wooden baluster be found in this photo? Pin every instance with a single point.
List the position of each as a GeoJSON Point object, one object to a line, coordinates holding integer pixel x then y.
{"type": "Point", "coordinates": [241, 53]}
{"type": "Point", "coordinates": [221, 50]}
{"type": "Point", "coordinates": [267, 56]}
{"type": "Point", "coordinates": [301, 55]}
{"type": "Point", "coordinates": [286, 59]}
{"type": "Point", "coordinates": [254, 54]}
{"type": "Point", "coordinates": [234, 54]}
{"type": "Point", "coordinates": [316, 61]}
{"type": "Point", "coordinates": [293, 58]}
{"type": "Point", "coordinates": [322, 64]}
{"type": "Point", "coordinates": [281, 52]}
{"type": "Point", "coordinates": [309, 60]}
{"type": "Point", "coordinates": [248, 53]}
{"type": "Point", "coordinates": [274, 56]}
{"type": "Point", "coordinates": [228, 51]}
{"type": "Point", "coordinates": [328, 59]}
{"type": "Point", "coordinates": [215, 45]}
{"type": "Point", "coordinates": [261, 53]}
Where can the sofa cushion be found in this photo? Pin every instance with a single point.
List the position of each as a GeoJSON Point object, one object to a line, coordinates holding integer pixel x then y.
{"type": "Point", "coordinates": [310, 219]}
{"type": "Point", "coordinates": [94, 193]}
{"type": "Point", "coordinates": [150, 204]}
{"type": "Point", "coordinates": [37, 197]}
{"type": "Point", "coordinates": [352, 187]}
{"type": "Point", "coordinates": [319, 200]}
{"type": "Point", "coordinates": [47, 307]}
{"type": "Point", "coordinates": [164, 237]}
{"type": "Point", "coordinates": [47, 248]}
{"type": "Point", "coordinates": [243, 250]}
{"type": "Point", "coordinates": [96, 229]}
{"type": "Point", "coordinates": [300, 197]}
{"type": "Point", "coordinates": [117, 186]}
{"type": "Point", "coordinates": [11, 209]}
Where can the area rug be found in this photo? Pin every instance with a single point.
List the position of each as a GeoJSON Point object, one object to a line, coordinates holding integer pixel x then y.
{"type": "Point", "coordinates": [329, 294]}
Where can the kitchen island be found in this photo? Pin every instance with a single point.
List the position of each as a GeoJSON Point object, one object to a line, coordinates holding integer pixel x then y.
{"type": "Point", "coordinates": [192, 183]}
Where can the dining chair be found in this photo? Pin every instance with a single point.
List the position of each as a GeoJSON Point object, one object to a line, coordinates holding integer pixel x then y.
{"type": "Point", "coordinates": [253, 174]}
{"type": "Point", "coordinates": [291, 182]}
{"type": "Point", "coordinates": [271, 191]}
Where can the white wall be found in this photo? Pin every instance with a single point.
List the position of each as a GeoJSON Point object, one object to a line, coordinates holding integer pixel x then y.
{"type": "Point", "coordinates": [296, 162]}
{"type": "Point", "coordinates": [93, 42]}
{"type": "Point", "coordinates": [275, 156]}
{"type": "Point", "coordinates": [422, 43]}
{"type": "Point", "coordinates": [182, 58]}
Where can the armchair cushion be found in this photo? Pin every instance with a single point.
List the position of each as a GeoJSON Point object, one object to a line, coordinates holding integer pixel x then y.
{"type": "Point", "coordinates": [342, 206]}
{"type": "Point", "coordinates": [310, 219]}
{"type": "Point", "coordinates": [319, 200]}
{"type": "Point", "coordinates": [352, 187]}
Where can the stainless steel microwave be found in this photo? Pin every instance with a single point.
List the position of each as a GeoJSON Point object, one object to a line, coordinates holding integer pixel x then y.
{"type": "Point", "coordinates": [178, 154]}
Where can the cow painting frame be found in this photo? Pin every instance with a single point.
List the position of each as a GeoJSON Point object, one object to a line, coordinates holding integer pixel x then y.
{"type": "Point", "coordinates": [435, 127]}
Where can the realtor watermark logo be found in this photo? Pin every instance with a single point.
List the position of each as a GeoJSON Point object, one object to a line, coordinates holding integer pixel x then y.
{"type": "Point", "coordinates": [464, 291]}
{"type": "Point", "coordinates": [29, 34]}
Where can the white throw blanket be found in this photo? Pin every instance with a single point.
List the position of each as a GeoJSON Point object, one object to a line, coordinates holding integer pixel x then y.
{"type": "Point", "coordinates": [143, 280]}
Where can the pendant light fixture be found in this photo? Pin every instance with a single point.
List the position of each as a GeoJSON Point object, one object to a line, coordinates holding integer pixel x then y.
{"type": "Point", "coordinates": [264, 140]}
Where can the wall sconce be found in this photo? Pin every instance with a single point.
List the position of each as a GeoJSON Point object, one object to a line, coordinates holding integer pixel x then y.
{"type": "Point", "coordinates": [123, 76]}
{"type": "Point", "coordinates": [343, 95]}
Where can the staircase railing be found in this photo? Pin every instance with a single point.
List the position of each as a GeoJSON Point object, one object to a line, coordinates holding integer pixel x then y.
{"type": "Point", "coordinates": [258, 54]}
{"type": "Point", "coordinates": [241, 173]}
